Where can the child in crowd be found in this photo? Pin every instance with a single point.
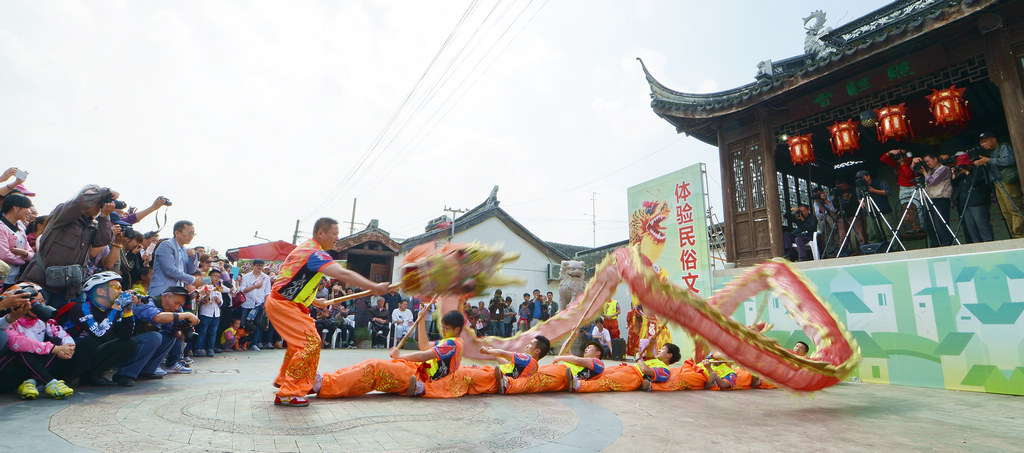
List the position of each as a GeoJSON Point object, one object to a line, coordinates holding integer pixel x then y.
{"type": "Point", "coordinates": [229, 339]}
{"type": "Point", "coordinates": [31, 353]}
{"type": "Point", "coordinates": [524, 318]}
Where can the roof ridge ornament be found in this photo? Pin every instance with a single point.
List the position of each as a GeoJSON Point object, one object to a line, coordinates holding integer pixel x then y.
{"type": "Point", "coordinates": [813, 45]}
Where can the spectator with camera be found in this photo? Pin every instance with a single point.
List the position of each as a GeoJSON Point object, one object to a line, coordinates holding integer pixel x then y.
{"type": "Point", "coordinates": [211, 298]}
{"type": "Point", "coordinates": [1004, 164]}
{"type": "Point", "coordinates": [879, 191]}
{"type": "Point", "coordinates": [938, 186]}
{"type": "Point", "coordinates": [804, 225]}
{"type": "Point", "coordinates": [826, 212]}
{"type": "Point", "coordinates": [102, 325]}
{"type": "Point", "coordinates": [848, 220]}
{"type": "Point", "coordinates": [16, 305]}
{"type": "Point", "coordinates": [14, 186]}
{"type": "Point", "coordinates": [173, 264]}
{"type": "Point", "coordinates": [973, 196]}
{"type": "Point", "coordinates": [33, 355]}
{"type": "Point", "coordinates": [167, 328]}
{"type": "Point", "coordinates": [900, 160]}
{"type": "Point", "coordinates": [14, 247]}
{"type": "Point", "coordinates": [64, 246]}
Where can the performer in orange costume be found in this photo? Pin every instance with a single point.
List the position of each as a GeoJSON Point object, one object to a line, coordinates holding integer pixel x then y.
{"type": "Point", "coordinates": [627, 378]}
{"type": "Point", "coordinates": [288, 309]}
{"type": "Point", "coordinates": [430, 372]}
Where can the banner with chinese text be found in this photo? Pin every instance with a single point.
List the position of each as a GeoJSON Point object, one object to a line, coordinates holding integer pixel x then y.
{"type": "Point", "coordinates": [667, 221]}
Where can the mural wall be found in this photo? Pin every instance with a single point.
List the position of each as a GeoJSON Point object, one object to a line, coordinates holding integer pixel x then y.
{"type": "Point", "coordinates": [949, 322]}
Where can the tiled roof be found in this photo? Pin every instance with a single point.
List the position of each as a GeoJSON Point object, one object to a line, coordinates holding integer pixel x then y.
{"type": "Point", "coordinates": [894, 23]}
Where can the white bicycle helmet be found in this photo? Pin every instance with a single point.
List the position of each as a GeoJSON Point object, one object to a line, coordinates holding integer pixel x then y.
{"type": "Point", "coordinates": [99, 278]}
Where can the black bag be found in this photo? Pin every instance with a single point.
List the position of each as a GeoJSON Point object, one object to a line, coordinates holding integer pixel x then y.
{"type": "Point", "coordinates": [69, 276]}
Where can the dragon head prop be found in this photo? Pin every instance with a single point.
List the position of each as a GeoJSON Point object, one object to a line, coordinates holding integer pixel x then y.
{"type": "Point", "coordinates": [459, 269]}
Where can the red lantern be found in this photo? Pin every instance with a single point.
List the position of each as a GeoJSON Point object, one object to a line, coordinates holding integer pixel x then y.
{"type": "Point", "coordinates": [948, 106]}
{"type": "Point", "coordinates": [893, 123]}
{"type": "Point", "coordinates": [845, 137]}
{"type": "Point", "coordinates": [800, 149]}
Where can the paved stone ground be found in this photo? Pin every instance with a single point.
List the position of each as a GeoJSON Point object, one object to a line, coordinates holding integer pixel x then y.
{"type": "Point", "coordinates": [228, 406]}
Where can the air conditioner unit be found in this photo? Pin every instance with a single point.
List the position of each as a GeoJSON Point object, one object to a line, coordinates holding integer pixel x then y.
{"type": "Point", "coordinates": [554, 271]}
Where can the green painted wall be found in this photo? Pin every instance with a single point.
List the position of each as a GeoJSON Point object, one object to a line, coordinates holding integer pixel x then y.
{"type": "Point", "coordinates": [954, 322]}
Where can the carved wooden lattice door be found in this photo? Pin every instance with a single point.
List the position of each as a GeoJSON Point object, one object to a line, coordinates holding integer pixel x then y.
{"type": "Point", "coordinates": [750, 214]}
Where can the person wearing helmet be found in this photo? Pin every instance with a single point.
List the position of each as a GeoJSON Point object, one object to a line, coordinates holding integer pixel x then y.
{"type": "Point", "coordinates": [162, 343]}
{"type": "Point", "coordinates": [18, 304]}
{"type": "Point", "coordinates": [102, 326]}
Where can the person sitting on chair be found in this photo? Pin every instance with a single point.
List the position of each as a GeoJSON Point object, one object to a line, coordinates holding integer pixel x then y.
{"type": "Point", "coordinates": [380, 324]}
{"type": "Point", "coordinates": [804, 226]}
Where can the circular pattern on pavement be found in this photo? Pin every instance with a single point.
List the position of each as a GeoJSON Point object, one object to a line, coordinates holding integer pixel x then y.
{"type": "Point", "coordinates": [242, 416]}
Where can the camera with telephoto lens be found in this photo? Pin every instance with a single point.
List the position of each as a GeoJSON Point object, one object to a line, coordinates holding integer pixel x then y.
{"type": "Point", "coordinates": [118, 204]}
{"type": "Point", "coordinates": [42, 311]}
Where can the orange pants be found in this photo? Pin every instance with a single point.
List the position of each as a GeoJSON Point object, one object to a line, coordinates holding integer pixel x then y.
{"type": "Point", "coordinates": [548, 378]}
{"type": "Point", "coordinates": [301, 359]}
{"type": "Point", "coordinates": [686, 377]}
{"type": "Point", "coordinates": [388, 376]}
{"type": "Point", "coordinates": [480, 379]}
{"type": "Point", "coordinates": [744, 379]}
{"type": "Point", "coordinates": [623, 378]}
{"type": "Point", "coordinates": [612, 325]}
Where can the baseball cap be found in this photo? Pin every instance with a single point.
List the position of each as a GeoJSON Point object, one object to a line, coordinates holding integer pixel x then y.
{"type": "Point", "coordinates": [863, 173]}
{"type": "Point", "coordinates": [985, 134]}
{"type": "Point", "coordinates": [116, 219]}
{"type": "Point", "coordinates": [178, 290]}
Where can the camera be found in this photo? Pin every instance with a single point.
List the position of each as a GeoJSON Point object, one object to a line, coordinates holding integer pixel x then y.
{"type": "Point", "coordinates": [127, 231]}
{"type": "Point", "coordinates": [861, 183]}
{"type": "Point", "coordinates": [118, 204]}
{"type": "Point", "coordinates": [920, 165]}
{"type": "Point", "coordinates": [167, 201]}
{"type": "Point", "coordinates": [42, 311]}
{"type": "Point", "coordinates": [186, 329]}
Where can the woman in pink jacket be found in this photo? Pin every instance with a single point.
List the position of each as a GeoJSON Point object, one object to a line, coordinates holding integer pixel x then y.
{"type": "Point", "coordinates": [14, 247]}
{"type": "Point", "coordinates": [32, 357]}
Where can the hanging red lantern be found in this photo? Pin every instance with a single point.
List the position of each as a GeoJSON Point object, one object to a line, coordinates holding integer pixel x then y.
{"type": "Point", "coordinates": [948, 106]}
{"type": "Point", "coordinates": [800, 149]}
{"type": "Point", "coordinates": [845, 137]}
{"type": "Point", "coordinates": [893, 123]}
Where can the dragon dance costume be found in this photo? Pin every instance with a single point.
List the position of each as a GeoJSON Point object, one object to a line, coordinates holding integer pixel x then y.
{"type": "Point", "coordinates": [288, 310]}
{"type": "Point", "coordinates": [439, 376]}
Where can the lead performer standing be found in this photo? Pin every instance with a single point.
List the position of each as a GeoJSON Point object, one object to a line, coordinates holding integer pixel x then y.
{"type": "Point", "coordinates": [288, 309]}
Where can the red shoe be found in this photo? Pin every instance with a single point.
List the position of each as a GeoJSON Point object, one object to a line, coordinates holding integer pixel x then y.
{"type": "Point", "coordinates": [291, 401]}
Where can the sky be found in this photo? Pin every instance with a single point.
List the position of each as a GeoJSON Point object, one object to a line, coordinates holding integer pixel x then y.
{"type": "Point", "coordinates": [252, 115]}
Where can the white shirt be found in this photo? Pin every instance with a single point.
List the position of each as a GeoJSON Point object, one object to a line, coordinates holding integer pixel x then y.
{"type": "Point", "coordinates": [209, 308]}
{"type": "Point", "coordinates": [255, 296]}
{"type": "Point", "coordinates": [401, 318]}
{"type": "Point", "coordinates": [602, 336]}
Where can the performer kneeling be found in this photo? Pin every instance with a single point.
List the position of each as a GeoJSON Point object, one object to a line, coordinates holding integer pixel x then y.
{"type": "Point", "coordinates": [428, 373]}
{"type": "Point", "coordinates": [638, 376]}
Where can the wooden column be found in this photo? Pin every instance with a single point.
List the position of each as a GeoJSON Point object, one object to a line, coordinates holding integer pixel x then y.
{"type": "Point", "coordinates": [1002, 69]}
{"type": "Point", "coordinates": [728, 197]}
{"type": "Point", "coordinates": [771, 186]}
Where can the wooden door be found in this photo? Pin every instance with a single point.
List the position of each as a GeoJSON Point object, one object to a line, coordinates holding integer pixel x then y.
{"type": "Point", "coordinates": [751, 241]}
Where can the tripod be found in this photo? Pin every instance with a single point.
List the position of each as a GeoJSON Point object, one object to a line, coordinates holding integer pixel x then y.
{"type": "Point", "coordinates": [875, 214]}
{"type": "Point", "coordinates": [928, 205]}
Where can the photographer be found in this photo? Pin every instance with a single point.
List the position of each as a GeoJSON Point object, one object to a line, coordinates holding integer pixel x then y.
{"type": "Point", "coordinates": [848, 202]}
{"type": "Point", "coordinates": [899, 159]}
{"type": "Point", "coordinates": [14, 247]}
{"type": "Point", "coordinates": [879, 192]}
{"type": "Point", "coordinates": [13, 186]}
{"type": "Point", "coordinates": [173, 265]}
{"type": "Point", "coordinates": [1005, 166]}
{"type": "Point", "coordinates": [825, 211]}
{"type": "Point", "coordinates": [973, 198]}
{"type": "Point", "coordinates": [804, 226]}
{"type": "Point", "coordinates": [102, 326]}
{"type": "Point", "coordinates": [64, 246]}
{"type": "Point", "coordinates": [18, 304]}
{"type": "Point", "coordinates": [938, 185]}
{"type": "Point", "coordinates": [168, 327]}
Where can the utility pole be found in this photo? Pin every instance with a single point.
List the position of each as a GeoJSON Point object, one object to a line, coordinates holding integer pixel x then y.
{"type": "Point", "coordinates": [352, 223]}
{"type": "Point", "coordinates": [454, 212]}
{"type": "Point", "coordinates": [593, 211]}
{"type": "Point", "coordinates": [295, 236]}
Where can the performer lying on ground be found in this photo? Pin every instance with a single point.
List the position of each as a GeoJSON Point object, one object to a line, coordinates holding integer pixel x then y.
{"type": "Point", "coordinates": [583, 368]}
{"type": "Point", "coordinates": [720, 375]}
{"type": "Point", "coordinates": [557, 377]}
{"type": "Point", "coordinates": [626, 378]}
{"type": "Point", "coordinates": [428, 372]}
{"type": "Point", "coordinates": [512, 365]}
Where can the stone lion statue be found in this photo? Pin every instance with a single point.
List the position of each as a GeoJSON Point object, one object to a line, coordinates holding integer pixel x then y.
{"type": "Point", "coordinates": [570, 282]}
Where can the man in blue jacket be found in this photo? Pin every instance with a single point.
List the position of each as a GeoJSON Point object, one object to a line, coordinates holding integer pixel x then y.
{"type": "Point", "coordinates": [173, 264]}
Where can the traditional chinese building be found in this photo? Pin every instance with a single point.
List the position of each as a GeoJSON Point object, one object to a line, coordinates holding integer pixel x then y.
{"type": "Point", "coordinates": [370, 252]}
{"type": "Point", "coordinates": [895, 56]}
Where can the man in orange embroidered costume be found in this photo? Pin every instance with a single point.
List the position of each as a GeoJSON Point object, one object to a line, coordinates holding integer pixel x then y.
{"type": "Point", "coordinates": [288, 309]}
{"type": "Point", "coordinates": [627, 378]}
{"type": "Point", "coordinates": [429, 373]}
{"type": "Point", "coordinates": [513, 366]}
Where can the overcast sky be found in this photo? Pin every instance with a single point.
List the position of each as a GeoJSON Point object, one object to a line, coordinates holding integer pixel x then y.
{"type": "Point", "coordinates": [251, 115]}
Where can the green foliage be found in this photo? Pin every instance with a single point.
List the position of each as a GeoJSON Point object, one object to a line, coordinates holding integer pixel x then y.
{"type": "Point", "coordinates": [362, 334]}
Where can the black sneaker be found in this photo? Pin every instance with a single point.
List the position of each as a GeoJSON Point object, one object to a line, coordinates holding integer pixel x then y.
{"type": "Point", "coordinates": [124, 381]}
{"type": "Point", "coordinates": [96, 381]}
